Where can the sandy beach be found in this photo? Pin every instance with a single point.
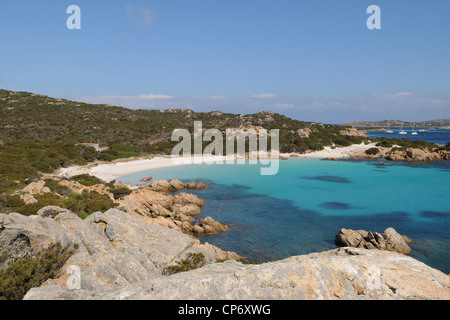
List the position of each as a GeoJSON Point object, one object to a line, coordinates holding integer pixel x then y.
{"type": "Point", "coordinates": [109, 171]}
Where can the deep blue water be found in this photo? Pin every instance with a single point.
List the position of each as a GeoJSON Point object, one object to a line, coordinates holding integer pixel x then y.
{"type": "Point", "coordinates": [300, 210]}
{"type": "Point", "coordinates": [435, 136]}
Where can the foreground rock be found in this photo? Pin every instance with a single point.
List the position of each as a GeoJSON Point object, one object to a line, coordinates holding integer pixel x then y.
{"type": "Point", "coordinates": [112, 248]}
{"type": "Point", "coordinates": [345, 273]}
{"type": "Point", "coordinates": [390, 240]}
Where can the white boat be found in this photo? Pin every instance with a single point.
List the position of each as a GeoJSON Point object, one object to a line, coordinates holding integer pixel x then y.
{"type": "Point", "coordinates": [414, 133]}
{"type": "Point", "coordinates": [403, 132]}
{"type": "Point", "coordinates": [423, 130]}
{"type": "Point", "coordinates": [389, 130]}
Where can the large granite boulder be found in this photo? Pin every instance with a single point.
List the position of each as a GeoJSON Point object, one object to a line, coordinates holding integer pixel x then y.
{"type": "Point", "coordinates": [37, 187]}
{"type": "Point", "coordinates": [113, 248]}
{"type": "Point", "coordinates": [159, 185]}
{"type": "Point", "coordinates": [345, 273]}
{"type": "Point", "coordinates": [176, 185]}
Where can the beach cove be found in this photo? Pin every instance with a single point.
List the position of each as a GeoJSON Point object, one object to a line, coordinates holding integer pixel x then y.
{"type": "Point", "coordinates": [299, 210]}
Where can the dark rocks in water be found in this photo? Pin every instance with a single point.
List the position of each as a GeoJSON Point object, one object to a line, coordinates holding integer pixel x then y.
{"type": "Point", "coordinates": [336, 179]}
{"type": "Point", "coordinates": [434, 214]}
{"type": "Point", "coordinates": [390, 240]}
{"type": "Point", "coordinates": [336, 205]}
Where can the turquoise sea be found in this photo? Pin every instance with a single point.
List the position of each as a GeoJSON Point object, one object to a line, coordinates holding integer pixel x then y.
{"type": "Point", "coordinates": [300, 210]}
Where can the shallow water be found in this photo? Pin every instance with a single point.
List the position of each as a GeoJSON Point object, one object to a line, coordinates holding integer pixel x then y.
{"type": "Point", "coordinates": [300, 209]}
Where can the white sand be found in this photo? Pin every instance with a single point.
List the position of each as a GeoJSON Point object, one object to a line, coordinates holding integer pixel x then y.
{"type": "Point", "coordinates": [339, 153]}
{"type": "Point", "coordinates": [112, 170]}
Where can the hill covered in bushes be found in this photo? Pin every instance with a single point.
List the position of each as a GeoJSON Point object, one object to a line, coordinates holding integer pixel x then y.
{"type": "Point", "coordinates": [40, 134]}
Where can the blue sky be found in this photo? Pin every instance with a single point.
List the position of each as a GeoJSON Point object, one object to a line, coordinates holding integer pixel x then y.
{"type": "Point", "coordinates": [313, 60]}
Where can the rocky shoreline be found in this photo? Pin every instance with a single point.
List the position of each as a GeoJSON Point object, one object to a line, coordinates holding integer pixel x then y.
{"type": "Point", "coordinates": [173, 211]}
{"type": "Point", "coordinates": [155, 202]}
{"type": "Point", "coordinates": [119, 256]}
{"type": "Point", "coordinates": [146, 249]}
{"type": "Point", "coordinates": [409, 154]}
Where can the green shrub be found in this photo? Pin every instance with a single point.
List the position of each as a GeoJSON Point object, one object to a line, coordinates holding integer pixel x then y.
{"type": "Point", "coordinates": [384, 143]}
{"type": "Point", "coordinates": [120, 192]}
{"type": "Point", "coordinates": [245, 261]}
{"type": "Point", "coordinates": [193, 261]}
{"type": "Point", "coordinates": [54, 186]}
{"type": "Point", "coordinates": [25, 273]}
{"type": "Point", "coordinates": [342, 141]}
{"type": "Point", "coordinates": [372, 151]}
{"type": "Point", "coordinates": [87, 180]}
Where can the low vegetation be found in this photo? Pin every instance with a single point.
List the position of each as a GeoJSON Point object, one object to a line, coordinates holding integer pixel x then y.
{"type": "Point", "coordinates": [404, 143]}
{"type": "Point", "coordinates": [193, 261]}
{"type": "Point", "coordinates": [82, 204]}
{"type": "Point", "coordinates": [120, 192]}
{"type": "Point", "coordinates": [22, 274]}
{"type": "Point", "coordinates": [41, 134]}
{"type": "Point", "coordinates": [372, 151]}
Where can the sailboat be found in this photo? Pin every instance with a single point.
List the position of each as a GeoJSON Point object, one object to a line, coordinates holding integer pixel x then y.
{"type": "Point", "coordinates": [414, 133]}
{"type": "Point", "coordinates": [403, 131]}
{"type": "Point", "coordinates": [389, 130]}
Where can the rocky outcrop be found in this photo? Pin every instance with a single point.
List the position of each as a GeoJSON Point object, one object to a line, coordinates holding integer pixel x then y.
{"type": "Point", "coordinates": [412, 154]}
{"type": "Point", "coordinates": [196, 185]}
{"type": "Point", "coordinates": [409, 154]}
{"type": "Point", "coordinates": [209, 226]}
{"type": "Point", "coordinates": [172, 211]}
{"type": "Point", "coordinates": [159, 185]}
{"type": "Point", "coordinates": [37, 187]}
{"type": "Point", "coordinates": [390, 240]}
{"type": "Point", "coordinates": [113, 248]}
{"type": "Point", "coordinates": [28, 198]}
{"type": "Point", "coordinates": [352, 132]}
{"type": "Point", "coordinates": [174, 185]}
{"type": "Point", "coordinates": [345, 273]}
{"type": "Point", "coordinates": [304, 133]}
{"type": "Point", "coordinates": [120, 256]}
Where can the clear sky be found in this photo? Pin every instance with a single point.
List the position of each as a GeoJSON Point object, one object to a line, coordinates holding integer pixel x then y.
{"type": "Point", "coordinates": [312, 60]}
